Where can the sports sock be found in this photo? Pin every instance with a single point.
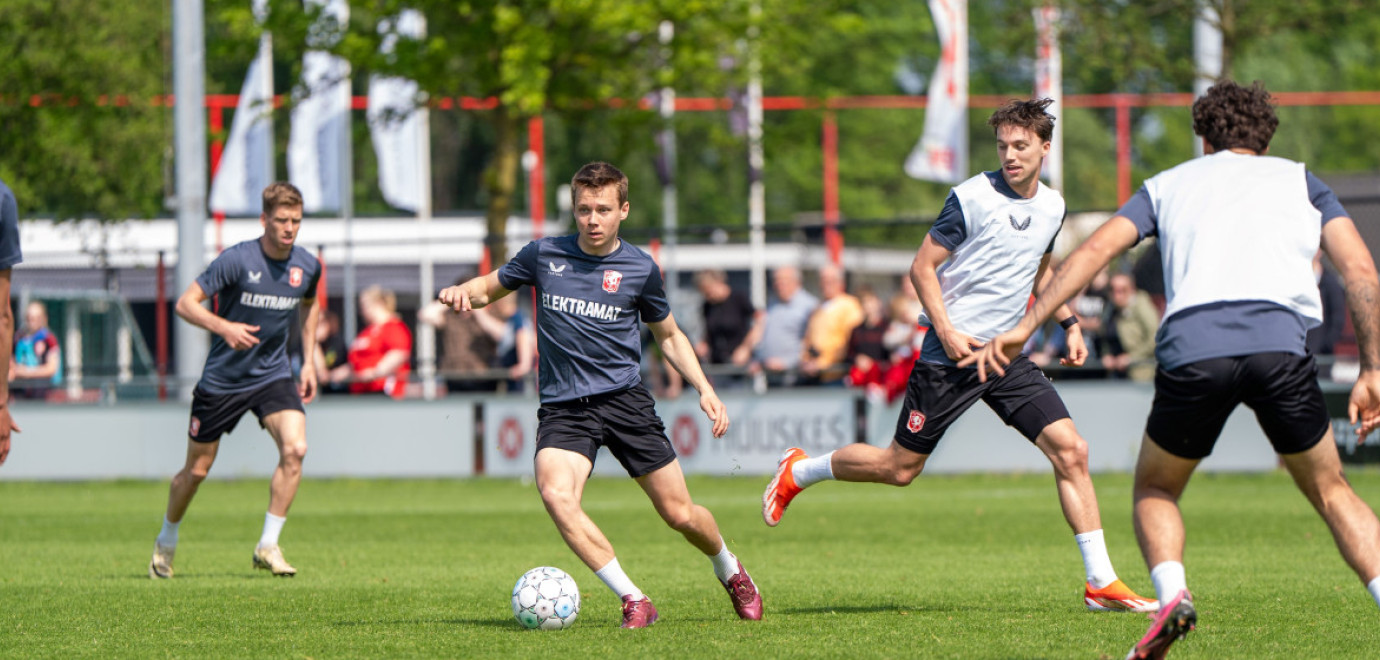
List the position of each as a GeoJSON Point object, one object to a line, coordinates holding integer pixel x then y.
{"type": "Point", "coordinates": [1169, 579]}
{"type": "Point", "coordinates": [1095, 560]}
{"type": "Point", "coordinates": [168, 536]}
{"type": "Point", "coordinates": [273, 526]}
{"type": "Point", "coordinates": [1374, 588]}
{"type": "Point", "coordinates": [725, 563]}
{"type": "Point", "coordinates": [810, 471]}
{"type": "Point", "coordinates": [612, 574]}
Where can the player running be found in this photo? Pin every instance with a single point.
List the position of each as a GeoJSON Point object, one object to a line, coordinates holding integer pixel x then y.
{"type": "Point", "coordinates": [261, 284]}
{"type": "Point", "coordinates": [593, 288]}
{"type": "Point", "coordinates": [1238, 231]}
{"type": "Point", "coordinates": [975, 271]}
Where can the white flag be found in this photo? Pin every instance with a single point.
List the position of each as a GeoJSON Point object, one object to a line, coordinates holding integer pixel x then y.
{"type": "Point", "coordinates": [246, 165]}
{"type": "Point", "coordinates": [395, 122]}
{"type": "Point", "coordinates": [942, 154]}
{"type": "Point", "coordinates": [1049, 84]}
{"type": "Point", "coordinates": [319, 124]}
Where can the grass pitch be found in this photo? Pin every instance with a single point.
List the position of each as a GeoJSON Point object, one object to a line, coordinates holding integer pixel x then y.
{"type": "Point", "coordinates": [950, 567]}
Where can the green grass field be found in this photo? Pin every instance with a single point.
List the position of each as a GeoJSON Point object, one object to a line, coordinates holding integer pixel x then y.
{"type": "Point", "coordinates": [951, 567]}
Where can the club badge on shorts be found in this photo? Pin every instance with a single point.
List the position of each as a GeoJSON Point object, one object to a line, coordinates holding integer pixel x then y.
{"type": "Point", "coordinates": [916, 421]}
{"type": "Point", "coordinates": [611, 280]}
{"type": "Point", "coordinates": [295, 276]}
{"type": "Point", "coordinates": [195, 428]}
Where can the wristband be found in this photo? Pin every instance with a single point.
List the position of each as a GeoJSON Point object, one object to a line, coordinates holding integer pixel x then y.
{"type": "Point", "coordinates": [1069, 322]}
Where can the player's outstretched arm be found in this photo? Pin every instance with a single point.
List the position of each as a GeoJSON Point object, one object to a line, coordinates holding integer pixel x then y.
{"type": "Point", "coordinates": [1111, 239]}
{"type": "Point", "coordinates": [473, 294]}
{"type": "Point", "coordinates": [1073, 335]}
{"type": "Point", "coordinates": [192, 308]}
{"type": "Point", "coordinates": [7, 424]}
{"type": "Point", "coordinates": [678, 351]}
{"type": "Point", "coordinates": [925, 276]}
{"type": "Point", "coordinates": [1354, 263]}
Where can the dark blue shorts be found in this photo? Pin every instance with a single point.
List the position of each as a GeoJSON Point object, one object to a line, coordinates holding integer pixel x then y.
{"type": "Point", "coordinates": [624, 421]}
{"type": "Point", "coordinates": [937, 395]}
{"type": "Point", "coordinates": [214, 415]}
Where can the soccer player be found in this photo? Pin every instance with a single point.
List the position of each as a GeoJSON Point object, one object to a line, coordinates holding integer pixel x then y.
{"type": "Point", "coordinates": [261, 285]}
{"type": "Point", "coordinates": [1237, 230]}
{"type": "Point", "coordinates": [10, 255]}
{"type": "Point", "coordinates": [593, 288]}
{"type": "Point", "coordinates": [975, 271]}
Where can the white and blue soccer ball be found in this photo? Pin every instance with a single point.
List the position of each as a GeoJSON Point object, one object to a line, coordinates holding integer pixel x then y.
{"type": "Point", "coordinates": [546, 598]}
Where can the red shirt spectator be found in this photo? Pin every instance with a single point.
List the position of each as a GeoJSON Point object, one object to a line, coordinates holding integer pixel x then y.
{"type": "Point", "coordinates": [379, 356]}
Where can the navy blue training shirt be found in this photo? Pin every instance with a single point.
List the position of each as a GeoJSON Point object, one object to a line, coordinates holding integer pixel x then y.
{"type": "Point", "coordinates": [588, 309]}
{"type": "Point", "coordinates": [10, 254]}
{"type": "Point", "coordinates": [256, 290]}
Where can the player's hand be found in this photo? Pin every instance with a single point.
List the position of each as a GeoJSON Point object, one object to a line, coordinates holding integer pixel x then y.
{"type": "Point", "coordinates": [456, 297]}
{"type": "Point", "coordinates": [240, 335]}
{"type": "Point", "coordinates": [1078, 348]}
{"type": "Point", "coordinates": [958, 345]}
{"type": "Point", "coordinates": [997, 354]}
{"type": "Point", "coordinates": [7, 426]}
{"type": "Point", "coordinates": [1364, 406]}
{"type": "Point", "coordinates": [306, 387]}
{"type": "Point", "coordinates": [714, 408]}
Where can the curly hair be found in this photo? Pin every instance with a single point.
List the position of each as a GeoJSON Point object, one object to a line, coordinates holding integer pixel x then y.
{"type": "Point", "coordinates": [1231, 116]}
{"type": "Point", "coordinates": [1030, 115]}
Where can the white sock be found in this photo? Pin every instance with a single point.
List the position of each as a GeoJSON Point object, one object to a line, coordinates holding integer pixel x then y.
{"type": "Point", "coordinates": [725, 563]}
{"type": "Point", "coordinates": [810, 471]}
{"type": "Point", "coordinates": [273, 526]}
{"type": "Point", "coordinates": [612, 574]}
{"type": "Point", "coordinates": [168, 536]}
{"type": "Point", "coordinates": [1095, 560]}
{"type": "Point", "coordinates": [1169, 579]}
{"type": "Point", "coordinates": [1374, 588]}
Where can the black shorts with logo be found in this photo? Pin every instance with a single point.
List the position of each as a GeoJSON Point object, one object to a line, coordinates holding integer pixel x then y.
{"type": "Point", "coordinates": [1193, 402]}
{"type": "Point", "coordinates": [624, 421]}
{"type": "Point", "coordinates": [937, 395]}
{"type": "Point", "coordinates": [214, 415]}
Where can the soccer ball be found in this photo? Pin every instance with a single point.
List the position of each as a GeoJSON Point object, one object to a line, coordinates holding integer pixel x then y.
{"type": "Point", "coordinates": [546, 598]}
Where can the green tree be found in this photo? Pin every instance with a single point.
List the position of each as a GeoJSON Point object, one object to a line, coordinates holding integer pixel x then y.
{"type": "Point", "coordinates": [95, 144]}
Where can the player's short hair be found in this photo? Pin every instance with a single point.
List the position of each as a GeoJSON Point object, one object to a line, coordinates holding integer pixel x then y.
{"type": "Point", "coordinates": [1029, 114]}
{"type": "Point", "coordinates": [1231, 116]}
{"type": "Point", "coordinates": [595, 176]}
{"type": "Point", "coordinates": [280, 193]}
{"type": "Point", "coordinates": [381, 295]}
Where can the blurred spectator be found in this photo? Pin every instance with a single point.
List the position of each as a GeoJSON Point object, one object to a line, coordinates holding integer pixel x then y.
{"type": "Point", "coordinates": [380, 356]}
{"type": "Point", "coordinates": [1322, 340]}
{"type": "Point", "coordinates": [1090, 305]}
{"type": "Point", "coordinates": [468, 350]}
{"type": "Point", "coordinates": [1130, 325]}
{"type": "Point", "coordinates": [332, 369]}
{"type": "Point", "coordinates": [868, 356]}
{"type": "Point", "coordinates": [728, 317]}
{"type": "Point", "coordinates": [822, 360]}
{"type": "Point", "coordinates": [515, 342]}
{"type": "Point", "coordinates": [903, 334]}
{"type": "Point", "coordinates": [37, 360]}
{"type": "Point", "coordinates": [777, 339]}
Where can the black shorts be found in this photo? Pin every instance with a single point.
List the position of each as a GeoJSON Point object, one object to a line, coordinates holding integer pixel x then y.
{"type": "Point", "coordinates": [624, 421]}
{"type": "Point", "coordinates": [214, 415]}
{"type": "Point", "coordinates": [937, 395]}
{"type": "Point", "coordinates": [1193, 402]}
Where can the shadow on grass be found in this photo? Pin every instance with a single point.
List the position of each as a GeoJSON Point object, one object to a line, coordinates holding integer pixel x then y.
{"type": "Point", "coordinates": [880, 609]}
{"type": "Point", "coordinates": [506, 623]}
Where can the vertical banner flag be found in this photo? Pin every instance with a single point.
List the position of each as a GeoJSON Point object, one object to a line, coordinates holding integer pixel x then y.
{"type": "Point", "coordinates": [1049, 84]}
{"type": "Point", "coordinates": [394, 120]}
{"type": "Point", "coordinates": [320, 119]}
{"type": "Point", "coordinates": [246, 165]}
{"type": "Point", "coordinates": [942, 154]}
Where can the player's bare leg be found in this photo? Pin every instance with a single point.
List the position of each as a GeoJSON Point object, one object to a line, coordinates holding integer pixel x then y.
{"type": "Point", "coordinates": [669, 494]}
{"type": "Point", "coordinates": [561, 476]}
{"type": "Point", "coordinates": [288, 429]}
{"type": "Point", "coordinates": [200, 457]}
{"type": "Point", "coordinates": [1068, 454]}
{"type": "Point", "coordinates": [1160, 481]}
{"type": "Point", "coordinates": [861, 462]}
{"type": "Point", "coordinates": [1318, 473]}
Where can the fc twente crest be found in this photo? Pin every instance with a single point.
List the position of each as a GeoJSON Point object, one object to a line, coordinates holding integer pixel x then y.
{"type": "Point", "coordinates": [611, 280]}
